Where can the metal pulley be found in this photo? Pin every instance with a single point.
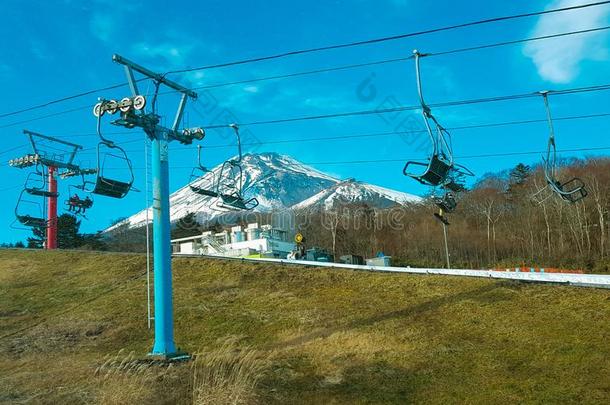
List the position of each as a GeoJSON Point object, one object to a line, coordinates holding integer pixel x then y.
{"type": "Point", "coordinates": [125, 105]}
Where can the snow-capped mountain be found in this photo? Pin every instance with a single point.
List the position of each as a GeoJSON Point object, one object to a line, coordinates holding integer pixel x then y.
{"type": "Point", "coordinates": [278, 182]}
{"type": "Point", "coordinates": [352, 191]}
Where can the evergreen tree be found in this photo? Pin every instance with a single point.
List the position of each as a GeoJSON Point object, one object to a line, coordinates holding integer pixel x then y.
{"type": "Point", "coordinates": [67, 232]}
{"type": "Point", "coordinates": [519, 175]}
{"type": "Point", "coordinates": [68, 236]}
{"type": "Point", "coordinates": [37, 241]}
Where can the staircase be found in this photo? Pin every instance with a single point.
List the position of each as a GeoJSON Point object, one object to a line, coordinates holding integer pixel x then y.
{"type": "Point", "coordinates": [214, 245]}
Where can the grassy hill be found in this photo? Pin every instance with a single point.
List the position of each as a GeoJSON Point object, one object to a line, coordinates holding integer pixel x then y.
{"type": "Point", "coordinates": [73, 330]}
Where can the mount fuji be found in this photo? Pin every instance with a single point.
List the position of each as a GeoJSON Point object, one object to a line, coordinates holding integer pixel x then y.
{"type": "Point", "coordinates": [279, 182]}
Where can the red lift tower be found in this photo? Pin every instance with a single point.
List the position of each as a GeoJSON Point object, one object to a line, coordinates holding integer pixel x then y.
{"type": "Point", "coordinates": [48, 156]}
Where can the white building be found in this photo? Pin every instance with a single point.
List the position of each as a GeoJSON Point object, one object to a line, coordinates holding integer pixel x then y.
{"type": "Point", "coordinates": [264, 241]}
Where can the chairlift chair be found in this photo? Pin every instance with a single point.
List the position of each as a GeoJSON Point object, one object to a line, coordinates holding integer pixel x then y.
{"type": "Point", "coordinates": [29, 219]}
{"type": "Point", "coordinates": [572, 190]}
{"type": "Point", "coordinates": [105, 185]}
{"type": "Point", "coordinates": [197, 174]}
{"type": "Point", "coordinates": [440, 163]}
{"type": "Point", "coordinates": [76, 204]}
{"type": "Point", "coordinates": [230, 188]}
{"type": "Point", "coordinates": [230, 183]}
{"type": "Point", "coordinates": [36, 184]}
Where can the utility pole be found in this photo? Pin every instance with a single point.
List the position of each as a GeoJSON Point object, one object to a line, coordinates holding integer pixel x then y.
{"type": "Point", "coordinates": [160, 136]}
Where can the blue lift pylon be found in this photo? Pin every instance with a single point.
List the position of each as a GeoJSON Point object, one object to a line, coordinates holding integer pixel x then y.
{"type": "Point", "coordinates": [132, 114]}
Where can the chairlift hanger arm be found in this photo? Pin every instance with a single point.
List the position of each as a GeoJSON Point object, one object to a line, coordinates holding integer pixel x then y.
{"type": "Point", "coordinates": [545, 97]}
{"type": "Point", "coordinates": [417, 55]}
{"type": "Point", "coordinates": [236, 129]}
{"type": "Point", "coordinates": [551, 154]}
{"type": "Point", "coordinates": [201, 166]}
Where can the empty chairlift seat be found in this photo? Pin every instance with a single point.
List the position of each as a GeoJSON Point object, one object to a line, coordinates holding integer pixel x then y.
{"type": "Point", "coordinates": [436, 172]}
{"type": "Point", "coordinates": [31, 221]}
{"type": "Point", "coordinates": [572, 190]}
{"type": "Point", "coordinates": [111, 188]}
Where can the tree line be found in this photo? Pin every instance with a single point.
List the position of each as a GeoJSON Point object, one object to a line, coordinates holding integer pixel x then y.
{"type": "Point", "coordinates": [498, 224]}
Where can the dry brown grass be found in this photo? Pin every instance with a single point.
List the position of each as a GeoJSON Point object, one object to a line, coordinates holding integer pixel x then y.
{"type": "Point", "coordinates": [227, 375]}
{"type": "Point", "coordinates": [278, 334]}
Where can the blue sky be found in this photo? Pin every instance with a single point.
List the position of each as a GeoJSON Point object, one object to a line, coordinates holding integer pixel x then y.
{"type": "Point", "coordinates": [56, 48]}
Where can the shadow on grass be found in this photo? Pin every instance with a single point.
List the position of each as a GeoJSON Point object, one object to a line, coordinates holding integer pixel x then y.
{"type": "Point", "coordinates": [411, 311]}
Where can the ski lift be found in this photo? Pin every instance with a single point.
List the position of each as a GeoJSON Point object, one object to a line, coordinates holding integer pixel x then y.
{"type": "Point", "coordinates": [76, 204]}
{"type": "Point", "coordinates": [198, 173]}
{"type": "Point", "coordinates": [440, 167]}
{"type": "Point", "coordinates": [572, 190]}
{"type": "Point", "coordinates": [230, 183]}
{"type": "Point", "coordinates": [105, 185]}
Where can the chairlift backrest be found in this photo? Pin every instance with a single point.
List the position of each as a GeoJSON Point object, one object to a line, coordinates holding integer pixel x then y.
{"type": "Point", "coordinates": [197, 175]}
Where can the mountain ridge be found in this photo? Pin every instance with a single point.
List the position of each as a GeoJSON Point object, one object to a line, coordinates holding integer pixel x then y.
{"type": "Point", "coordinates": [279, 182]}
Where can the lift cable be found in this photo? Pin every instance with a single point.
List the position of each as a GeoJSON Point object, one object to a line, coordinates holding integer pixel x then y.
{"type": "Point", "coordinates": [348, 136]}
{"type": "Point", "coordinates": [394, 60]}
{"type": "Point", "coordinates": [111, 87]}
{"type": "Point", "coordinates": [304, 73]}
{"type": "Point", "coordinates": [402, 160]}
{"type": "Point", "coordinates": [376, 134]}
{"type": "Point", "coordinates": [602, 87]}
{"type": "Point", "coordinates": [365, 112]}
{"type": "Point", "coordinates": [55, 114]}
{"type": "Point", "coordinates": [481, 156]}
{"type": "Point", "coordinates": [389, 133]}
{"type": "Point", "coordinates": [390, 38]}
{"type": "Point", "coordinates": [67, 98]}
{"type": "Point", "coordinates": [416, 107]}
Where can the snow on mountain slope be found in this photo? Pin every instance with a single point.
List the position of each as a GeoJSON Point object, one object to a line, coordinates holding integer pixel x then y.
{"type": "Point", "coordinates": [278, 182]}
{"type": "Point", "coordinates": [354, 192]}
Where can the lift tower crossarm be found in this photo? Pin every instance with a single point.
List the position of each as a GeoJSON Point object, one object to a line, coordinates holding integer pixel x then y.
{"type": "Point", "coordinates": [67, 164]}
{"type": "Point", "coordinates": [150, 122]}
{"type": "Point", "coordinates": [155, 76]}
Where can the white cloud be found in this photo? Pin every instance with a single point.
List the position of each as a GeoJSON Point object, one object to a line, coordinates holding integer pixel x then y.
{"type": "Point", "coordinates": [559, 60]}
